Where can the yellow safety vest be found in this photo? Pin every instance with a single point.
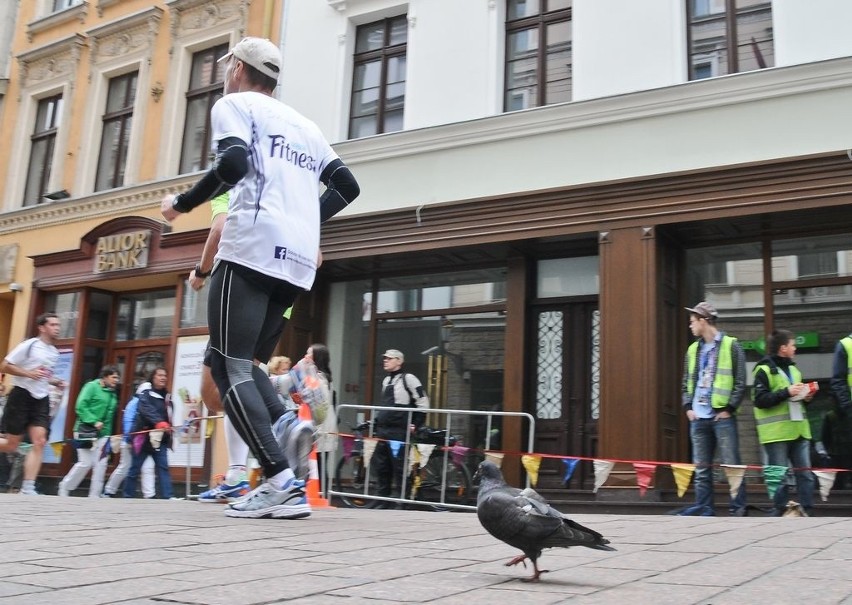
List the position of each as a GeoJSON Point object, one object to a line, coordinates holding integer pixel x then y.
{"type": "Point", "coordinates": [723, 381]}
{"type": "Point", "coordinates": [774, 424]}
{"type": "Point", "coordinates": [847, 344]}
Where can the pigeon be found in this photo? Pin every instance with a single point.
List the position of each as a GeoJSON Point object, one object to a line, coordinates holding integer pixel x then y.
{"type": "Point", "coordinates": [524, 519]}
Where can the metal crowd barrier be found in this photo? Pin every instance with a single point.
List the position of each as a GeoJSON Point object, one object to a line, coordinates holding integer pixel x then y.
{"type": "Point", "coordinates": [334, 490]}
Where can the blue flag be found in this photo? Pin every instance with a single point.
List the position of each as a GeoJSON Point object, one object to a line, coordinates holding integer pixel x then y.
{"type": "Point", "coordinates": [570, 465]}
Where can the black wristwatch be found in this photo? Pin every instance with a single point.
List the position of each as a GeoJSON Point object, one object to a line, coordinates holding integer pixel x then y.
{"type": "Point", "coordinates": [199, 272]}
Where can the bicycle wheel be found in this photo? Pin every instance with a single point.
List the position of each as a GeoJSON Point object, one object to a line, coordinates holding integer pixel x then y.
{"type": "Point", "coordinates": [349, 478]}
{"type": "Point", "coordinates": [459, 485]}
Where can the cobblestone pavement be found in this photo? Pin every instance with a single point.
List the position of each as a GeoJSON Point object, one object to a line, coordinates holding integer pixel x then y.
{"type": "Point", "coordinates": [88, 551]}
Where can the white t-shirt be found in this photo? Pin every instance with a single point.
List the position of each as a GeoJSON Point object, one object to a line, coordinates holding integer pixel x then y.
{"type": "Point", "coordinates": [29, 355]}
{"type": "Point", "coordinates": [273, 215]}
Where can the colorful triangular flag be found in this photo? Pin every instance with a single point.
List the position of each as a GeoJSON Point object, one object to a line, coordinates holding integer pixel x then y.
{"type": "Point", "coordinates": [413, 459]}
{"type": "Point", "coordinates": [394, 446]}
{"type": "Point", "coordinates": [348, 442]}
{"type": "Point", "coordinates": [459, 453]}
{"type": "Point", "coordinates": [495, 457]}
{"type": "Point", "coordinates": [602, 470]}
{"type": "Point", "coordinates": [369, 448]}
{"type": "Point", "coordinates": [826, 482]}
{"type": "Point", "coordinates": [735, 474]}
{"type": "Point", "coordinates": [56, 446]}
{"type": "Point", "coordinates": [644, 476]}
{"type": "Point", "coordinates": [531, 464]}
{"type": "Point", "coordinates": [570, 465]}
{"type": "Point", "coordinates": [682, 476]}
{"type": "Point", "coordinates": [773, 474]}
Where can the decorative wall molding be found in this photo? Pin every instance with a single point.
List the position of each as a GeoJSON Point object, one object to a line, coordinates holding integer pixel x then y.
{"type": "Point", "coordinates": [115, 202]}
{"type": "Point", "coordinates": [55, 60]}
{"type": "Point", "coordinates": [123, 36]}
{"type": "Point", "coordinates": [189, 16]}
{"type": "Point", "coordinates": [78, 12]}
{"type": "Point", "coordinates": [102, 4]}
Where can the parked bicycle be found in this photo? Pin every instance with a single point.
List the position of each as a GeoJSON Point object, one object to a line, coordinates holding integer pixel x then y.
{"type": "Point", "coordinates": [441, 480]}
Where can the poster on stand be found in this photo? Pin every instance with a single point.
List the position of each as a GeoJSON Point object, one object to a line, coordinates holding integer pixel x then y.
{"type": "Point", "coordinates": [189, 438]}
{"type": "Point", "coordinates": [59, 404]}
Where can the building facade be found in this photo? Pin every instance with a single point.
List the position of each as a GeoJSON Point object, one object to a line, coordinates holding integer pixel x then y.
{"type": "Point", "coordinates": [545, 185]}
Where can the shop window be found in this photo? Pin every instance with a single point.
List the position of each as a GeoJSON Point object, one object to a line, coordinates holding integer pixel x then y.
{"type": "Point", "coordinates": [145, 315]}
{"type": "Point", "coordinates": [43, 141]}
{"type": "Point", "coordinates": [439, 291]}
{"type": "Point", "coordinates": [379, 75]}
{"type": "Point", "coordinates": [117, 122]}
{"type": "Point", "coordinates": [206, 86]}
{"type": "Point", "coordinates": [812, 258]}
{"type": "Point", "coordinates": [729, 36]}
{"type": "Point", "coordinates": [97, 322]}
{"type": "Point", "coordinates": [66, 306]}
{"type": "Point", "coordinates": [538, 53]}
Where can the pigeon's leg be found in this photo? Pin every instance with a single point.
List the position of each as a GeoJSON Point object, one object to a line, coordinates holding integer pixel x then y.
{"type": "Point", "coordinates": [516, 560]}
{"type": "Point", "coordinates": [537, 573]}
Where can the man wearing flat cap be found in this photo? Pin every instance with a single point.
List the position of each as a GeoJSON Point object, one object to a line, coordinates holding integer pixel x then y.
{"type": "Point", "coordinates": [714, 382]}
{"type": "Point", "coordinates": [403, 391]}
{"type": "Point", "coordinates": [273, 161]}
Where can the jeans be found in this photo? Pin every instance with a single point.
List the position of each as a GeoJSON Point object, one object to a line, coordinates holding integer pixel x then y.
{"type": "Point", "coordinates": [120, 472]}
{"type": "Point", "coordinates": [798, 454]}
{"type": "Point", "coordinates": [710, 437]}
{"type": "Point", "coordinates": [161, 463]}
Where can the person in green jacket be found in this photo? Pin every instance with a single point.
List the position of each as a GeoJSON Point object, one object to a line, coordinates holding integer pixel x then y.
{"type": "Point", "coordinates": [96, 405]}
{"type": "Point", "coordinates": [782, 422]}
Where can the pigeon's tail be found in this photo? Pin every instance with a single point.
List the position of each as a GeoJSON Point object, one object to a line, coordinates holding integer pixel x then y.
{"type": "Point", "coordinates": [602, 546]}
{"type": "Point", "coordinates": [590, 538]}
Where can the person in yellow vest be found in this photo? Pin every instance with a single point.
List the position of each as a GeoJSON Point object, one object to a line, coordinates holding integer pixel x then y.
{"type": "Point", "coordinates": [783, 428]}
{"type": "Point", "coordinates": [713, 388]}
{"type": "Point", "coordinates": [837, 425]}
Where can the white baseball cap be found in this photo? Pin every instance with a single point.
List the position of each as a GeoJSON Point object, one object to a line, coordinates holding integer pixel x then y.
{"type": "Point", "coordinates": [260, 53]}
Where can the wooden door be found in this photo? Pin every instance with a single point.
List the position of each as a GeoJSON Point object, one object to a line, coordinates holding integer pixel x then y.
{"type": "Point", "coordinates": [565, 377]}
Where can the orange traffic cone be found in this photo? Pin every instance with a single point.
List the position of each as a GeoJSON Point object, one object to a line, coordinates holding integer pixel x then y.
{"type": "Point", "coordinates": [312, 486]}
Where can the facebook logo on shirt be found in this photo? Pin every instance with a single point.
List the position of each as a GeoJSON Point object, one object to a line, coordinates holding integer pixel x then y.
{"type": "Point", "coordinates": [280, 252]}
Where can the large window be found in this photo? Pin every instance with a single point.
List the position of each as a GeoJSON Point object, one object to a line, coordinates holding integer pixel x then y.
{"type": "Point", "coordinates": [378, 82]}
{"type": "Point", "coordinates": [206, 86]}
{"type": "Point", "coordinates": [118, 119]}
{"type": "Point", "coordinates": [41, 154]}
{"type": "Point", "coordinates": [538, 53]}
{"type": "Point", "coordinates": [145, 315]}
{"type": "Point", "coordinates": [729, 36]}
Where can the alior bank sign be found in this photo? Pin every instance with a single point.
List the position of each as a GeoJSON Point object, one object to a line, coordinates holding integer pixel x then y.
{"type": "Point", "coordinates": [122, 251]}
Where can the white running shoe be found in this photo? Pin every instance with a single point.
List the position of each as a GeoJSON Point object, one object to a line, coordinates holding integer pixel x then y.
{"type": "Point", "coordinates": [296, 439]}
{"type": "Point", "coordinates": [266, 501]}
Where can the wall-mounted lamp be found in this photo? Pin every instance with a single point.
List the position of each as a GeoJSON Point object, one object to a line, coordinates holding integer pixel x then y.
{"type": "Point", "coordinates": [16, 287]}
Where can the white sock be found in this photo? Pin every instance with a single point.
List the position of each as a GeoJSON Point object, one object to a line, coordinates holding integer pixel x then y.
{"type": "Point", "coordinates": [236, 474]}
{"type": "Point", "coordinates": [281, 479]}
{"type": "Point", "coordinates": [29, 485]}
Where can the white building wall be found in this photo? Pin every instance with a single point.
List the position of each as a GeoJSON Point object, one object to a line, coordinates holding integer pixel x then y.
{"type": "Point", "coordinates": [623, 47]}
{"type": "Point", "coordinates": [807, 31]}
{"type": "Point", "coordinates": [640, 116]}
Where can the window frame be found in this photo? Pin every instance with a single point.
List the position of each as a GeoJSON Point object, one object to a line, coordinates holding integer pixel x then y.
{"type": "Point", "coordinates": [729, 16]}
{"type": "Point", "coordinates": [209, 91]}
{"type": "Point", "coordinates": [49, 134]}
{"type": "Point", "coordinates": [125, 116]}
{"type": "Point", "coordinates": [540, 22]}
{"type": "Point", "coordinates": [384, 55]}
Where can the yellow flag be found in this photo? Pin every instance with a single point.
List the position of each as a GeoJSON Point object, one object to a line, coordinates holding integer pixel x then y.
{"type": "Point", "coordinates": [57, 448]}
{"type": "Point", "coordinates": [682, 477]}
{"type": "Point", "coordinates": [532, 464]}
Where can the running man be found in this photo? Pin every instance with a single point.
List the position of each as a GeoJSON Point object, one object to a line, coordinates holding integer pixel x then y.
{"type": "Point", "coordinates": [28, 407]}
{"type": "Point", "coordinates": [273, 161]}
